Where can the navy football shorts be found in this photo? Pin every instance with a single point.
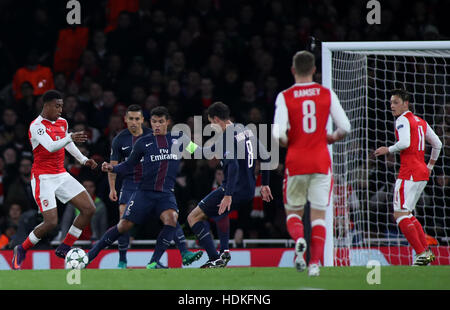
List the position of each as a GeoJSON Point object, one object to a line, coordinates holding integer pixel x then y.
{"type": "Point", "coordinates": [145, 204]}
{"type": "Point", "coordinates": [210, 204]}
{"type": "Point", "coordinates": [125, 196]}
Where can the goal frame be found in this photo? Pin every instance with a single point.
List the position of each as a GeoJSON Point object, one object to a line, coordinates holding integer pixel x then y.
{"type": "Point", "coordinates": [377, 47]}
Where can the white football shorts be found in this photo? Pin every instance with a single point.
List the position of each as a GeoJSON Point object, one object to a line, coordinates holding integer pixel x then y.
{"type": "Point", "coordinates": [47, 187]}
{"type": "Point", "coordinates": [406, 194]}
{"type": "Point", "coordinates": [315, 188]}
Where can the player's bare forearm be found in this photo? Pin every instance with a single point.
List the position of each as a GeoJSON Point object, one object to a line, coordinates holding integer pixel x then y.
{"type": "Point", "coordinates": [381, 151]}
{"type": "Point", "coordinates": [112, 180]}
{"type": "Point", "coordinates": [112, 176]}
{"type": "Point", "coordinates": [112, 183]}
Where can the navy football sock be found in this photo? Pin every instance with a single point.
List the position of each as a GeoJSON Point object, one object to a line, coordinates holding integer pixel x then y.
{"type": "Point", "coordinates": [223, 231]}
{"type": "Point", "coordinates": [107, 239]}
{"type": "Point", "coordinates": [124, 241]}
{"type": "Point", "coordinates": [201, 230]}
{"type": "Point", "coordinates": [162, 243]}
{"type": "Point", "coordinates": [180, 239]}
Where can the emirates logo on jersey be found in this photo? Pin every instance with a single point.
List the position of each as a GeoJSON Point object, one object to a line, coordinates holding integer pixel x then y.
{"type": "Point", "coordinates": [62, 128]}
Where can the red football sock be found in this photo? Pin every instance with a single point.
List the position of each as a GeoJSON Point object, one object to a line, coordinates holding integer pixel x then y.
{"type": "Point", "coordinates": [420, 232]}
{"type": "Point", "coordinates": [318, 235]}
{"type": "Point", "coordinates": [70, 239]}
{"type": "Point", "coordinates": [30, 241]}
{"type": "Point", "coordinates": [27, 244]}
{"type": "Point", "coordinates": [72, 236]}
{"type": "Point", "coordinates": [409, 231]}
{"type": "Point", "coordinates": [294, 226]}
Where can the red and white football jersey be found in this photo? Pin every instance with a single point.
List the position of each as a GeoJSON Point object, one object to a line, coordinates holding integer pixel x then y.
{"type": "Point", "coordinates": [412, 158]}
{"type": "Point", "coordinates": [303, 111]}
{"type": "Point", "coordinates": [48, 156]}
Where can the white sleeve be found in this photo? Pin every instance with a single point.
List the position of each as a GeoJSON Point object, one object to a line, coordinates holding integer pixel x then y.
{"type": "Point", "coordinates": [338, 114]}
{"type": "Point", "coordinates": [281, 118]}
{"type": "Point", "coordinates": [436, 144]}
{"type": "Point", "coordinates": [39, 134]}
{"type": "Point", "coordinates": [404, 135]}
{"type": "Point", "coordinates": [75, 152]}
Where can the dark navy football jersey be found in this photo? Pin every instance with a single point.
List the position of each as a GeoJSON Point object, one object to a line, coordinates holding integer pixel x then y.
{"type": "Point", "coordinates": [241, 149]}
{"type": "Point", "coordinates": [160, 162]}
{"type": "Point", "coordinates": [121, 147]}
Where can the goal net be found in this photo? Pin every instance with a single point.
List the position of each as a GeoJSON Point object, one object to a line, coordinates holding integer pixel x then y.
{"type": "Point", "coordinates": [362, 74]}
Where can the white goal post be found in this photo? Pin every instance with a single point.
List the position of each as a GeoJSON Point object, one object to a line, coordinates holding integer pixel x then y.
{"type": "Point", "coordinates": [362, 74]}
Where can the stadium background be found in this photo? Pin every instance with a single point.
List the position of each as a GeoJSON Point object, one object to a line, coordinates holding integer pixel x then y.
{"type": "Point", "coordinates": [180, 54]}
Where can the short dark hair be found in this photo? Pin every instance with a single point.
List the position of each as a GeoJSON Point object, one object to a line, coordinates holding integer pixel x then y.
{"type": "Point", "coordinates": [51, 95]}
{"type": "Point", "coordinates": [303, 62]}
{"type": "Point", "coordinates": [401, 93]}
{"type": "Point", "coordinates": [219, 109]}
{"type": "Point", "coordinates": [134, 108]}
{"type": "Point", "coordinates": [160, 111]}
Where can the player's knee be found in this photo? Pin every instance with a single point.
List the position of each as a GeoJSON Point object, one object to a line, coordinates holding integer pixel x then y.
{"type": "Point", "coordinates": [124, 226]}
{"type": "Point", "coordinates": [169, 217]}
{"type": "Point", "coordinates": [195, 216]}
{"type": "Point", "coordinates": [88, 210]}
{"type": "Point", "coordinates": [191, 219]}
{"type": "Point", "coordinates": [91, 210]}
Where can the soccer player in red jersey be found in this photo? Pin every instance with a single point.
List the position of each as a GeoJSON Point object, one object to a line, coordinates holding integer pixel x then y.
{"type": "Point", "coordinates": [49, 138]}
{"type": "Point", "coordinates": [411, 132]}
{"type": "Point", "coordinates": [301, 116]}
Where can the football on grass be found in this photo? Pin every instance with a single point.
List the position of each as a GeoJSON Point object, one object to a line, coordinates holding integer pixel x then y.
{"type": "Point", "coordinates": [76, 258]}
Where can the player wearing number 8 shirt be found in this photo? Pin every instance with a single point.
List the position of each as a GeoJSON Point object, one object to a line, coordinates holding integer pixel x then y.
{"type": "Point", "coordinates": [238, 148]}
{"type": "Point", "coordinates": [300, 120]}
{"type": "Point", "coordinates": [411, 132]}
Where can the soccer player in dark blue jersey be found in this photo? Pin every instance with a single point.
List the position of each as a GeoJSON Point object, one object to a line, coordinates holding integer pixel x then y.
{"type": "Point", "coordinates": [237, 149]}
{"type": "Point", "coordinates": [121, 147]}
{"type": "Point", "coordinates": [155, 194]}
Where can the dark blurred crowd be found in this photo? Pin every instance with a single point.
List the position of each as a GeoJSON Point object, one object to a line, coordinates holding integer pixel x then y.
{"type": "Point", "coordinates": [181, 54]}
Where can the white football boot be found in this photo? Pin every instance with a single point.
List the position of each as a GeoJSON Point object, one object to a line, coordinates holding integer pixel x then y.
{"type": "Point", "coordinates": [300, 249]}
{"type": "Point", "coordinates": [313, 270]}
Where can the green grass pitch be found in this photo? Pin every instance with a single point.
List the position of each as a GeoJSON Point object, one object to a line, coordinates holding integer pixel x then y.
{"type": "Point", "coordinates": [257, 278]}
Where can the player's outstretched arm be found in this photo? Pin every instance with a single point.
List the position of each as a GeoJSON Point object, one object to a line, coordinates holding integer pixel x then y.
{"type": "Point", "coordinates": [112, 182]}
{"type": "Point", "coordinates": [114, 159]}
{"type": "Point", "coordinates": [264, 157]}
{"type": "Point", "coordinates": [75, 152]}
{"type": "Point", "coordinates": [232, 167]}
{"type": "Point", "coordinates": [404, 138]}
{"type": "Point", "coordinates": [281, 121]}
{"type": "Point", "coordinates": [136, 154]}
{"type": "Point", "coordinates": [339, 118]}
{"type": "Point", "coordinates": [91, 163]}
{"type": "Point", "coordinates": [436, 145]}
{"type": "Point", "coordinates": [107, 167]}
{"type": "Point", "coordinates": [39, 134]}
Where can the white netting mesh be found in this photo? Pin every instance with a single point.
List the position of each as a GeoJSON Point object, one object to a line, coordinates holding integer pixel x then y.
{"type": "Point", "coordinates": [364, 224]}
